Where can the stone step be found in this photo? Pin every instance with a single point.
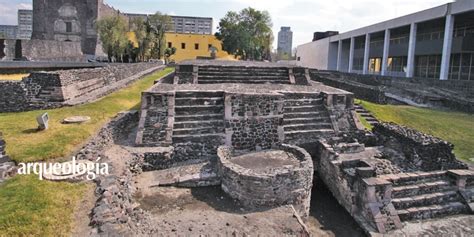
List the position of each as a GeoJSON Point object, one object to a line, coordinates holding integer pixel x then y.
{"type": "Point", "coordinates": [198, 117]}
{"type": "Point", "coordinates": [299, 102]}
{"type": "Point", "coordinates": [318, 119]}
{"type": "Point", "coordinates": [424, 188]}
{"type": "Point", "coordinates": [244, 81]}
{"type": "Point", "coordinates": [426, 199]}
{"type": "Point", "coordinates": [243, 73]}
{"type": "Point", "coordinates": [312, 114]}
{"type": "Point", "coordinates": [199, 124]}
{"type": "Point", "coordinates": [371, 119]}
{"type": "Point", "coordinates": [199, 109]}
{"type": "Point", "coordinates": [198, 138]}
{"type": "Point", "coordinates": [303, 108]}
{"type": "Point", "coordinates": [243, 77]}
{"type": "Point", "coordinates": [197, 131]}
{"type": "Point", "coordinates": [291, 134]}
{"type": "Point", "coordinates": [199, 101]}
{"type": "Point", "coordinates": [433, 211]}
{"type": "Point", "coordinates": [243, 69]}
{"type": "Point", "coordinates": [403, 179]}
{"type": "Point", "coordinates": [194, 94]}
{"type": "Point", "coordinates": [306, 127]}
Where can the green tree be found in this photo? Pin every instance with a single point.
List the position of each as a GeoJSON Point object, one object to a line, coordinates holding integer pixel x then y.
{"type": "Point", "coordinates": [158, 24]}
{"type": "Point", "coordinates": [168, 53]}
{"type": "Point", "coordinates": [113, 35]}
{"type": "Point", "coordinates": [247, 34]}
{"type": "Point", "coordinates": [150, 35]}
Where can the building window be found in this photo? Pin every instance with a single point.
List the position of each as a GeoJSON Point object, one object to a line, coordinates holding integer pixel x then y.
{"type": "Point", "coordinates": [209, 46]}
{"type": "Point", "coordinates": [170, 45]}
{"type": "Point", "coordinates": [428, 66]}
{"type": "Point", "coordinates": [68, 27]}
{"type": "Point", "coordinates": [462, 66]}
{"type": "Point", "coordinates": [196, 46]}
{"type": "Point", "coordinates": [358, 64]}
{"type": "Point", "coordinates": [183, 45]}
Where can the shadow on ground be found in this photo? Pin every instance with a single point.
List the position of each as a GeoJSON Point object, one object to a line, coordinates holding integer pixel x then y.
{"type": "Point", "coordinates": [329, 215]}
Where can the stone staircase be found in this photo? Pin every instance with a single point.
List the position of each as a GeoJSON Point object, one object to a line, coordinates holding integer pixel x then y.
{"type": "Point", "coordinates": [244, 75]}
{"type": "Point", "coordinates": [305, 118]}
{"type": "Point", "coordinates": [199, 123]}
{"type": "Point", "coordinates": [366, 115]}
{"type": "Point", "coordinates": [426, 195]}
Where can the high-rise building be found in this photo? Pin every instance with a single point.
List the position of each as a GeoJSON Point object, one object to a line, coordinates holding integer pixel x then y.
{"type": "Point", "coordinates": [25, 24]}
{"type": "Point", "coordinates": [285, 41]}
{"type": "Point", "coordinates": [184, 24]}
{"type": "Point", "coordinates": [8, 31]}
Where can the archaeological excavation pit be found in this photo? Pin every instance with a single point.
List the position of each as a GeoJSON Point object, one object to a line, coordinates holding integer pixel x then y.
{"type": "Point", "coordinates": [269, 178]}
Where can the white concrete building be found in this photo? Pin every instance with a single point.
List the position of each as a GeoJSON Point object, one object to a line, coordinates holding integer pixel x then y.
{"type": "Point", "coordinates": [434, 43]}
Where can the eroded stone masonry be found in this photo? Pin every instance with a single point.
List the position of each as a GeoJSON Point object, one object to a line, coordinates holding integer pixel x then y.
{"type": "Point", "coordinates": [44, 90]}
{"type": "Point", "coordinates": [262, 130]}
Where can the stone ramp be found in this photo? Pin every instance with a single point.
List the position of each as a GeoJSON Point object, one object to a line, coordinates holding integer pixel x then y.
{"type": "Point", "coordinates": [195, 175]}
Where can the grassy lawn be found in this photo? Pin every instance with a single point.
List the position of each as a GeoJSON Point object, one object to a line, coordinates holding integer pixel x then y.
{"type": "Point", "coordinates": [455, 127]}
{"type": "Point", "coordinates": [30, 207]}
{"type": "Point", "coordinates": [24, 144]}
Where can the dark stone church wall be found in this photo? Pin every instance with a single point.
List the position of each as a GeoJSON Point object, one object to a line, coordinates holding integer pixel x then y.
{"type": "Point", "coordinates": [44, 50]}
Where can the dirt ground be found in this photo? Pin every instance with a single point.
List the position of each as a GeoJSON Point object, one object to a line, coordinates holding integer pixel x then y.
{"type": "Point", "coordinates": [210, 212]}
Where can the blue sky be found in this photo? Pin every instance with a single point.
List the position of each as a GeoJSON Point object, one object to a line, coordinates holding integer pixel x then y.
{"type": "Point", "coordinates": [303, 16]}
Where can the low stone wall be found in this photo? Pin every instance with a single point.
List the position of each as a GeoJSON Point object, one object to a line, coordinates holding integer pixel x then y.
{"type": "Point", "coordinates": [422, 151]}
{"type": "Point", "coordinates": [281, 186]}
{"type": "Point", "coordinates": [44, 90]}
{"type": "Point", "coordinates": [253, 121]}
{"type": "Point", "coordinates": [44, 50]}
{"type": "Point", "coordinates": [7, 166]}
{"type": "Point", "coordinates": [452, 94]}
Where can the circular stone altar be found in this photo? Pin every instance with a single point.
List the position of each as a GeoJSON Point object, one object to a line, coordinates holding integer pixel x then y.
{"type": "Point", "coordinates": [269, 178]}
{"type": "Point", "coordinates": [76, 119]}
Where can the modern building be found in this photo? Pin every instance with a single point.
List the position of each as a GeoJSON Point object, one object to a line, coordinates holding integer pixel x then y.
{"type": "Point", "coordinates": [184, 24]}
{"type": "Point", "coordinates": [285, 41]}
{"type": "Point", "coordinates": [25, 24]}
{"type": "Point", "coordinates": [8, 31]}
{"type": "Point", "coordinates": [436, 43]}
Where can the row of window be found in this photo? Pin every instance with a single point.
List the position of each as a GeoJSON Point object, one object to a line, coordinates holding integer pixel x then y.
{"type": "Point", "coordinates": [427, 66]}
{"type": "Point", "coordinates": [183, 45]}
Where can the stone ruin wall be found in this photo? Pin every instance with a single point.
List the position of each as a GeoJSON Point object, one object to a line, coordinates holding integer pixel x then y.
{"type": "Point", "coordinates": [43, 50]}
{"type": "Point", "coordinates": [281, 186]}
{"type": "Point", "coordinates": [43, 90]}
{"type": "Point", "coordinates": [254, 122]}
{"type": "Point", "coordinates": [375, 88]}
{"type": "Point", "coordinates": [421, 151]}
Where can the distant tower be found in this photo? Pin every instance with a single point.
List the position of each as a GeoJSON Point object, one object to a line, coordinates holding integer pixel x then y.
{"type": "Point", "coordinates": [285, 42]}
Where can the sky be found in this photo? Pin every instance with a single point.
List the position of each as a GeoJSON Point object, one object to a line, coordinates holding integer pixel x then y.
{"type": "Point", "coordinates": [303, 16]}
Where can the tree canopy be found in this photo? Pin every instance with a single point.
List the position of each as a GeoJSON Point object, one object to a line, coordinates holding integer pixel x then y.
{"type": "Point", "coordinates": [149, 33]}
{"type": "Point", "coordinates": [247, 34]}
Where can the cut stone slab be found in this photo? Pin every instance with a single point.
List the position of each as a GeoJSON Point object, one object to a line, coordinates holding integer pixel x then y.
{"type": "Point", "coordinates": [43, 121]}
{"type": "Point", "coordinates": [76, 119]}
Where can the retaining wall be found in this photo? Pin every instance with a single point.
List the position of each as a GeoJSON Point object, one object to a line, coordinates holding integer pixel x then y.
{"type": "Point", "coordinates": [42, 90]}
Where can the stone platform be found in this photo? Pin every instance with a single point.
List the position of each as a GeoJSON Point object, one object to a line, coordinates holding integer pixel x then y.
{"type": "Point", "coordinates": [247, 105]}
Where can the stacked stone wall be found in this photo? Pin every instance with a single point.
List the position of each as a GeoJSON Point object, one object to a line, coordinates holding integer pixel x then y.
{"type": "Point", "coordinates": [254, 121]}
{"type": "Point", "coordinates": [43, 90]}
{"type": "Point", "coordinates": [280, 186]}
{"type": "Point", "coordinates": [45, 50]}
{"type": "Point", "coordinates": [422, 151]}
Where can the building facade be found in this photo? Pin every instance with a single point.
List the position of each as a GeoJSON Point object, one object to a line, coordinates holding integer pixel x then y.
{"type": "Point", "coordinates": [183, 24]}
{"type": "Point", "coordinates": [25, 24]}
{"type": "Point", "coordinates": [8, 31]}
{"type": "Point", "coordinates": [70, 20]}
{"type": "Point", "coordinates": [436, 43]}
{"type": "Point", "coordinates": [285, 41]}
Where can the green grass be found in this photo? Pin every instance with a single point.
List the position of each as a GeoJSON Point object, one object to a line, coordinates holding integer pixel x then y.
{"type": "Point", "coordinates": [30, 207]}
{"type": "Point", "coordinates": [455, 127]}
{"type": "Point", "coordinates": [24, 144]}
